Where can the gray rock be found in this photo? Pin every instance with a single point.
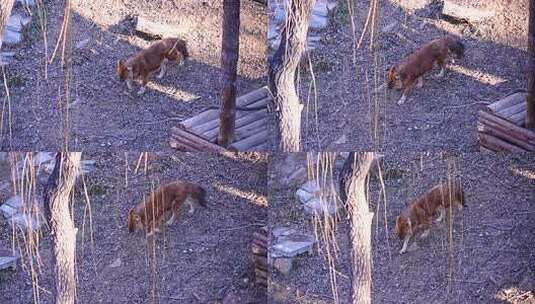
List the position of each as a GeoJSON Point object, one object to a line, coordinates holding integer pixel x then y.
{"type": "Point", "coordinates": [389, 27]}
{"type": "Point", "coordinates": [11, 37]}
{"type": "Point", "coordinates": [42, 157]}
{"type": "Point", "coordinates": [116, 263]}
{"type": "Point", "coordinates": [8, 262]}
{"type": "Point", "coordinates": [25, 222]}
{"type": "Point", "coordinates": [8, 211]}
{"type": "Point", "coordinates": [284, 265]}
{"type": "Point", "coordinates": [7, 58]}
{"type": "Point", "coordinates": [318, 21]}
{"type": "Point", "coordinates": [282, 231]}
{"type": "Point", "coordinates": [27, 2]}
{"type": "Point", "coordinates": [292, 245]}
{"type": "Point", "coordinates": [311, 186]}
{"type": "Point", "coordinates": [304, 196]}
{"type": "Point", "coordinates": [15, 202]}
{"type": "Point", "coordinates": [83, 43]}
{"type": "Point", "coordinates": [320, 206]}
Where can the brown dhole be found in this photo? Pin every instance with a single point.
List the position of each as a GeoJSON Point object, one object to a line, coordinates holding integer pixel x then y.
{"type": "Point", "coordinates": [167, 198]}
{"type": "Point", "coordinates": [145, 62]}
{"type": "Point", "coordinates": [418, 215]}
{"type": "Point", "coordinates": [411, 69]}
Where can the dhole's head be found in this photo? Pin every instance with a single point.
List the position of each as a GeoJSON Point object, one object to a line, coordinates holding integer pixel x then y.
{"type": "Point", "coordinates": [201, 197]}
{"type": "Point", "coordinates": [179, 52]}
{"type": "Point", "coordinates": [123, 70]}
{"type": "Point", "coordinates": [134, 221]}
{"type": "Point", "coordinates": [403, 227]}
{"type": "Point", "coordinates": [393, 78]}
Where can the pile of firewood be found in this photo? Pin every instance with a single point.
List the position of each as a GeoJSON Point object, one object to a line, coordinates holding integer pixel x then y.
{"type": "Point", "coordinates": [500, 126]}
{"type": "Point", "coordinates": [259, 256]}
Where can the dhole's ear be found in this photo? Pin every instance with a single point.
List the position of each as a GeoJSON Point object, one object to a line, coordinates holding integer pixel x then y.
{"type": "Point", "coordinates": [120, 63]}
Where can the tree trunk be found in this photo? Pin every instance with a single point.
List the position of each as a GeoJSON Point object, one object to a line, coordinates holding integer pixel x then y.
{"type": "Point", "coordinates": [353, 194]}
{"type": "Point", "coordinates": [5, 13]}
{"type": "Point", "coordinates": [530, 100]}
{"type": "Point", "coordinates": [229, 63]}
{"type": "Point", "coordinates": [282, 75]}
{"type": "Point", "coordinates": [56, 201]}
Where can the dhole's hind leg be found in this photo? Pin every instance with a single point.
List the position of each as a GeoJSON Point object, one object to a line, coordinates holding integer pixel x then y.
{"type": "Point", "coordinates": [441, 66]}
{"type": "Point", "coordinates": [162, 69]}
{"type": "Point", "coordinates": [172, 219]}
{"type": "Point", "coordinates": [440, 215]}
{"type": "Point", "coordinates": [129, 84]}
{"type": "Point", "coordinates": [420, 82]}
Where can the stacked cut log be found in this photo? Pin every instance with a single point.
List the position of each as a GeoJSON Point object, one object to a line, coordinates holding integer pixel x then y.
{"type": "Point", "coordinates": [500, 126]}
{"type": "Point", "coordinates": [199, 133]}
{"type": "Point", "coordinates": [259, 256]}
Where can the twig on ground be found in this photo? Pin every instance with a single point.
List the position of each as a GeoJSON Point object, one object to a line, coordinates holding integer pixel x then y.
{"type": "Point", "coordinates": [241, 227]}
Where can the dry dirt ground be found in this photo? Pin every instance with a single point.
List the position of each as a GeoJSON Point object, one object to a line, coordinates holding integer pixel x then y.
{"type": "Point", "coordinates": [440, 116]}
{"type": "Point", "coordinates": [199, 259]}
{"type": "Point", "coordinates": [102, 113]}
{"type": "Point", "coordinates": [490, 257]}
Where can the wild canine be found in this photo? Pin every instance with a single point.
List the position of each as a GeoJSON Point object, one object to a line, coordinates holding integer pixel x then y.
{"type": "Point", "coordinates": [418, 215]}
{"type": "Point", "coordinates": [143, 64]}
{"type": "Point", "coordinates": [411, 69]}
{"type": "Point", "coordinates": [168, 198]}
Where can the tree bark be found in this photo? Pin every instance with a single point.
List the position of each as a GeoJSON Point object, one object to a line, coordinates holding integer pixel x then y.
{"type": "Point", "coordinates": [530, 100]}
{"type": "Point", "coordinates": [282, 73]}
{"type": "Point", "coordinates": [5, 13]}
{"type": "Point", "coordinates": [56, 196]}
{"type": "Point", "coordinates": [352, 192]}
{"type": "Point", "coordinates": [229, 63]}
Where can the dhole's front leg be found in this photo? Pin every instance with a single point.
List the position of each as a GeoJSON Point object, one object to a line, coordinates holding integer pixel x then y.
{"type": "Point", "coordinates": [406, 93]}
{"type": "Point", "coordinates": [162, 69]}
{"type": "Point", "coordinates": [144, 81]}
{"type": "Point", "coordinates": [129, 84]}
{"type": "Point", "coordinates": [405, 243]}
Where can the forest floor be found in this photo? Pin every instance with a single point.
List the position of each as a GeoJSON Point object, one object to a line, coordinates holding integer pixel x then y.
{"type": "Point", "coordinates": [341, 113]}
{"type": "Point", "coordinates": [488, 260]}
{"type": "Point", "coordinates": [202, 258]}
{"type": "Point", "coordinates": [102, 113]}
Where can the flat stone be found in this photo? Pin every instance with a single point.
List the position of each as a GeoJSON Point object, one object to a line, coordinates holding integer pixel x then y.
{"type": "Point", "coordinates": [389, 27]}
{"type": "Point", "coordinates": [292, 245]}
{"type": "Point", "coordinates": [116, 263]}
{"type": "Point", "coordinates": [8, 211]}
{"type": "Point", "coordinates": [310, 186]}
{"type": "Point", "coordinates": [284, 265]}
{"type": "Point", "coordinates": [341, 140]}
{"type": "Point", "coordinates": [320, 206]}
{"type": "Point", "coordinates": [8, 262]}
{"type": "Point", "coordinates": [6, 58]}
{"type": "Point", "coordinates": [42, 157]}
{"type": "Point", "coordinates": [15, 202]}
{"type": "Point", "coordinates": [83, 43]}
{"type": "Point", "coordinates": [25, 222]}
{"type": "Point", "coordinates": [304, 196]}
{"type": "Point", "coordinates": [11, 37]}
{"type": "Point", "coordinates": [318, 21]}
{"type": "Point", "coordinates": [27, 2]}
{"type": "Point", "coordinates": [282, 231]}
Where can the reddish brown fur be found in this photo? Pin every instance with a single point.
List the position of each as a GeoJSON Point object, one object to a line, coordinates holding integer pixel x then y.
{"type": "Point", "coordinates": [147, 61]}
{"type": "Point", "coordinates": [421, 211]}
{"type": "Point", "coordinates": [406, 73]}
{"type": "Point", "coordinates": [150, 211]}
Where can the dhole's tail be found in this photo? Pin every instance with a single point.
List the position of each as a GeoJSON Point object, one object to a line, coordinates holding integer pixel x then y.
{"type": "Point", "coordinates": [457, 47]}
